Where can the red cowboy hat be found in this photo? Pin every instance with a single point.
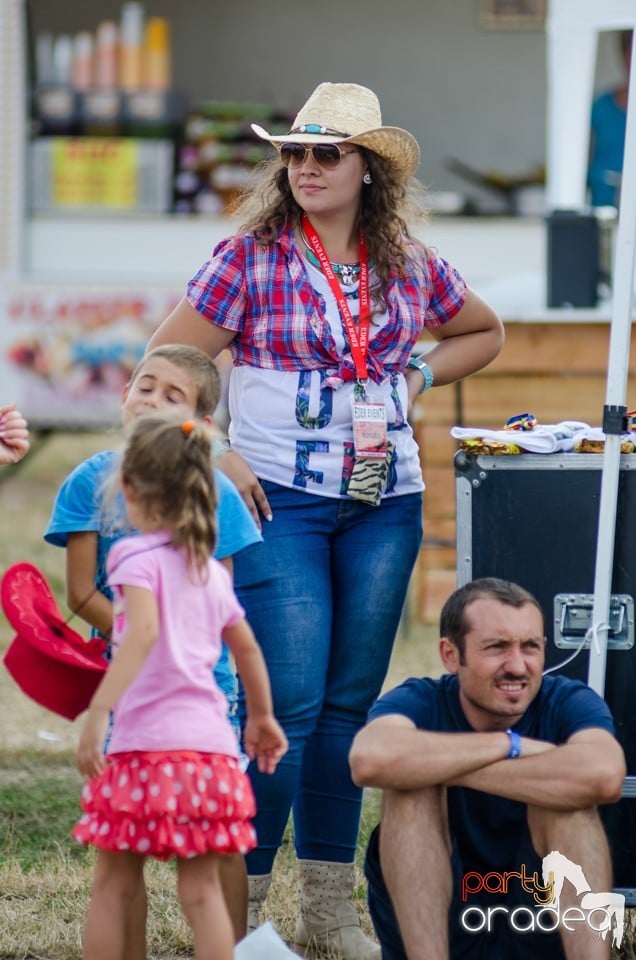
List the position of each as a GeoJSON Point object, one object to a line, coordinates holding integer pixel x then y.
{"type": "Point", "coordinates": [52, 663]}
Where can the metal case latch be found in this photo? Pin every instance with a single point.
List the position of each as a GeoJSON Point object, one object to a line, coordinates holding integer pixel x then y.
{"type": "Point", "coordinates": [573, 618]}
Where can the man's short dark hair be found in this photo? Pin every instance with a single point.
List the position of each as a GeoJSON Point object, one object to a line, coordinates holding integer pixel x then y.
{"type": "Point", "coordinates": [453, 621]}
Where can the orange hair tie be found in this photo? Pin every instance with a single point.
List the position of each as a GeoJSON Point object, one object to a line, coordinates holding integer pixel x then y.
{"type": "Point", "coordinates": [188, 426]}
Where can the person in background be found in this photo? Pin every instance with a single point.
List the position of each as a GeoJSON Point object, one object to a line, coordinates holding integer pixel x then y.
{"type": "Point", "coordinates": [173, 379]}
{"type": "Point", "coordinates": [14, 435]}
{"type": "Point", "coordinates": [321, 298]}
{"type": "Point", "coordinates": [484, 772]}
{"type": "Point", "coordinates": [171, 783]}
{"type": "Point", "coordinates": [607, 141]}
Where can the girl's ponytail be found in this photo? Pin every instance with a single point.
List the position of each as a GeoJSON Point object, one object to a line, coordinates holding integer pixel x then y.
{"type": "Point", "coordinates": [168, 464]}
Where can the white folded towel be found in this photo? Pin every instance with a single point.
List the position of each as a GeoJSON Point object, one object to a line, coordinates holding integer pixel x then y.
{"type": "Point", "coordinates": [544, 438]}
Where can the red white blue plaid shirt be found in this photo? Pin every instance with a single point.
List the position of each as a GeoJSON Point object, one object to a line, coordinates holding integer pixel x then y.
{"type": "Point", "coordinates": [264, 294]}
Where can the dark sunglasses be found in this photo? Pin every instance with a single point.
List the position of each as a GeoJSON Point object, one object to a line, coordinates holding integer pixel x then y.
{"type": "Point", "coordinates": [326, 155]}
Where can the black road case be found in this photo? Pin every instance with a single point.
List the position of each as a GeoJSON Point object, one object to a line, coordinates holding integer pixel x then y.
{"type": "Point", "coordinates": [533, 519]}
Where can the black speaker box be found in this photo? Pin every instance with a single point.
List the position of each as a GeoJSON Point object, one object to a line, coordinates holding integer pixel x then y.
{"type": "Point", "coordinates": [573, 259]}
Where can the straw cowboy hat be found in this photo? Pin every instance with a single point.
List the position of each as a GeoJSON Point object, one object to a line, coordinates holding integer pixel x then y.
{"type": "Point", "coordinates": [349, 113]}
{"type": "Point", "coordinates": [52, 663]}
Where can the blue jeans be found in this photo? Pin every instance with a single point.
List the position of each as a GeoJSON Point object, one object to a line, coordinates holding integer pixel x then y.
{"type": "Point", "coordinates": [324, 594]}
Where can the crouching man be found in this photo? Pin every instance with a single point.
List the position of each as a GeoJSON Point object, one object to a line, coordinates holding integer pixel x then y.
{"type": "Point", "coordinates": [490, 844]}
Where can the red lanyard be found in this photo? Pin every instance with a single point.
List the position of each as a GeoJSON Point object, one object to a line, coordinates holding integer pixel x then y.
{"type": "Point", "coordinates": [358, 336]}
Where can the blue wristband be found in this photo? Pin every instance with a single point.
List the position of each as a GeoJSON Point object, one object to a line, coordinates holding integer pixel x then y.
{"type": "Point", "coordinates": [515, 744]}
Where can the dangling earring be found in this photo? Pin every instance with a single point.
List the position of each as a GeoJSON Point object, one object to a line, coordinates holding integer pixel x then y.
{"type": "Point", "coordinates": [367, 178]}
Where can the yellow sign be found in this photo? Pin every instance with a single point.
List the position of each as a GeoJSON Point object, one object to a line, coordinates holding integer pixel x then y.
{"type": "Point", "coordinates": [95, 172]}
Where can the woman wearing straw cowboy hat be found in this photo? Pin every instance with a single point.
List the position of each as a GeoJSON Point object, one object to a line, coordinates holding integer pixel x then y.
{"type": "Point", "coordinates": [321, 297]}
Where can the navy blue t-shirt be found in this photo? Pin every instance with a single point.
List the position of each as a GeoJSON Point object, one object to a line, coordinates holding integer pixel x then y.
{"type": "Point", "coordinates": [490, 834]}
{"type": "Point", "coordinates": [486, 828]}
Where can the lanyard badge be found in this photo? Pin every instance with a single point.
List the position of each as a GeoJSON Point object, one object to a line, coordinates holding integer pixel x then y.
{"type": "Point", "coordinates": [369, 429]}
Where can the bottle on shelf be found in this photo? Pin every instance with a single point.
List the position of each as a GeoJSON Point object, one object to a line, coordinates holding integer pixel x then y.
{"type": "Point", "coordinates": [106, 43]}
{"type": "Point", "coordinates": [54, 101]}
{"type": "Point", "coordinates": [101, 111]}
{"type": "Point", "coordinates": [131, 45]}
{"type": "Point", "coordinates": [62, 60]}
{"type": "Point", "coordinates": [83, 61]}
{"type": "Point", "coordinates": [44, 59]}
{"type": "Point", "coordinates": [157, 58]}
{"type": "Point", "coordinates": [155, 110]}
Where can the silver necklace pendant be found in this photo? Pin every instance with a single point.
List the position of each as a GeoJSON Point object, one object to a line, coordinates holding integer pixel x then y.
{"type": "Point", "coordinates": [348, 273]}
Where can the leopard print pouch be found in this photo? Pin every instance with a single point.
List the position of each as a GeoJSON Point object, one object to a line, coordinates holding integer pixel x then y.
{"type": "Point", "coordinates": [369, 476]}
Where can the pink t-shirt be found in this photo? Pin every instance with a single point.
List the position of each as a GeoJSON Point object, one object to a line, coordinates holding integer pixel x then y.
{"type": "Point", "coordinates": [174, 702]}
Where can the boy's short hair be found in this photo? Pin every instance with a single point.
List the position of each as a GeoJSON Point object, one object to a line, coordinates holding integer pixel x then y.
{"type": "Point", "coordinates": [201, 368]}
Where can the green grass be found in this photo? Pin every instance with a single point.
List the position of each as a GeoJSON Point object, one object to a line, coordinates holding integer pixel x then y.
{"type": "Point", "coordinates": [38, 807]}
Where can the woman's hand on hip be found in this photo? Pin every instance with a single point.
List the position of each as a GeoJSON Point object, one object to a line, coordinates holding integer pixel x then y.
{"type": "Point", "coordinates": [246, 482]}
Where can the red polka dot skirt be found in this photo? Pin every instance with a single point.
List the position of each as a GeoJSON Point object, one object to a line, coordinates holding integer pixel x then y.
{"type": "Point", "coordinates": [182, 804]}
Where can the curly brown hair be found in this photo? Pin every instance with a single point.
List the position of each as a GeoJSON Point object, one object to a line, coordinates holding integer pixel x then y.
{"type": "Point", "coordinates": [268, 204]}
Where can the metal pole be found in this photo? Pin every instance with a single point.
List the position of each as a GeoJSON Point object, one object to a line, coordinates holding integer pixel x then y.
{"type": "Point", "coordinates": [616, 391]}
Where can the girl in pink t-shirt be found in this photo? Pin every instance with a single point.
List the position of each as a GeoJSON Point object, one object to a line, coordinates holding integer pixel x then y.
{"type": "Point", "coordinates": [170, 784]}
